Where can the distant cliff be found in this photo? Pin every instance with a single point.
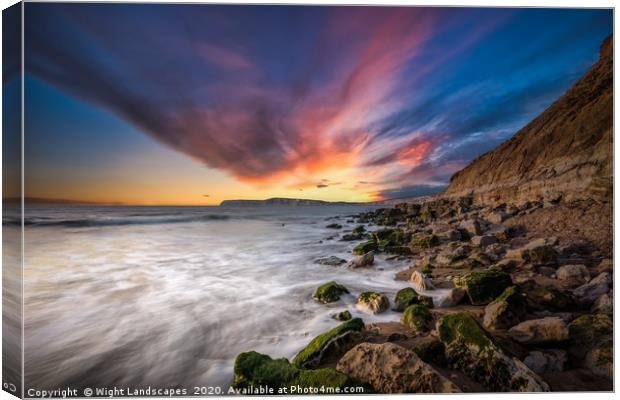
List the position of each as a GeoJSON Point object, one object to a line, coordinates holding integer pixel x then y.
{"type": "Point", "coordinates": [566, 152]}
{"type": "Point", "coordinates": [280, 201]}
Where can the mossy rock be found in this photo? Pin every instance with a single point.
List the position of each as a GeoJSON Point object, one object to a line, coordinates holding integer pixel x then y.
{"type": "Point", "coordinates": [589, 332]}
{"type": "Point", "coordinates": [416, 317]}
{"type": "Point", "coordinates": [382, 234]}
{"type": "Point", "coordinates": [400, 250]}
{"type": "Point", "coordinates": [342, 316]}
{"type": "Point", "coordinates": [541, 297]}
{"type": "Point", "coordinates": [467, 263]}
{"type": "Point", "coordinates": [253, 369]}
{"type": "Point", "coordinates": [456, 257]}
{"type": "Point", "coordinates": [374, 302]}
{"type": "Point", "coordinates": [365, 247]}
{"type": "Point", "coordinates": [484, 286]}
{"type": "Point", "coordinates": [506, 310]}
{"type": "Point", "coordinates": [431, 350]}
{"type": "Point", "coordinates": [407, 297]}
{"type": "Point", "coordinates": [352, 237]}
{"type": "Point", "coordinates": [471, 350]}
{"type": "Point", "coordinates": [332, 343]}
{"type": "Point", "coordinates": [424, 241]}
{"type": "Point", "coordinates": [329, 292]}
{"type": "Point", "coordinates": [359, 230]}
{"type": "Point", "coordinates": [427, 269]}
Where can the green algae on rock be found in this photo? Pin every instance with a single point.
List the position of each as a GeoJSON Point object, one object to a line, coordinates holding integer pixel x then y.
{"type": "Point", "coordinates": [342, 316]}
{"type": "Point", "coordinates": [253, 369]}
{"type": "Point", "coordinates": [329, 292]}
{"type": "Point", "coordinates": [471, 350]}
{"type": "Point", "coordinates": [591, 343]}
{"type": "Point", "coordinates": [365, 247]}
{"type": "Point", "coordinates": [506, 310]}
{"type": "Point", "coordinates": [373, 302]}
{"type": "Point", "coordinates": [484, 286]}
{"type": "Point", "coordinates": [417, 317]}
{"type": "Point", "coordinates": [333, 342]}
{"type": "Point", "coordinates": [408, 296]}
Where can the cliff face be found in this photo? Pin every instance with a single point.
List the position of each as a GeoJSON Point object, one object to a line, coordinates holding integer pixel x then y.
{"type": "Point", "coordinates": [566, 152]}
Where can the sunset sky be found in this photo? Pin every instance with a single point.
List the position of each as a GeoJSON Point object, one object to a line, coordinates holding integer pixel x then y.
{"type": "Point", "coordinates": [194, 104]}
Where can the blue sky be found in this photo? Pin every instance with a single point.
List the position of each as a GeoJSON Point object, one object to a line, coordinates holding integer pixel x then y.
{"type": "Point", "coordinates": [335, 103]}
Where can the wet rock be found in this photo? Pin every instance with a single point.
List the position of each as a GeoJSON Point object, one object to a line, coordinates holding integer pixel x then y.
{"type": "Point", "coordinates": [595, 288]}
{"type": "Point", "coordinates": [420, 282]}
{"type": "Point", "coordinates": [334, 342]}
{"type": "Point", "coordinates": [365, 247]}
{"type": "Point", "coordinates": [453, 297]}
{"type": "Point", "coordinates": [329, 292]}
{"type": "Point", "coordinates": [484, 286]}
{"type": "Point", "coordinates": [536, 331]}
{"type": "Point", "coordinates": [576, 273]}
{"type": "Point", "coordinates": [546, 361]}
{"type": "Point", "coordinates": [591, 343]}
{"type": "Point", "coordinates": [408, 296]}
{"type": "Point", "coordinates": [604, 304]}
{"type": "Point", "coordinates": [332, 260]}
{"type": "Point", "coordinates": [334, 226]}
{"type": "Point", "coordinates": [506, 310]}
{"type": "Point", "coordinates": [365, 260]}
{"type": "Point", "coordinates": [389, 368]}
{"type": "Point", "coordinates": [342, 316]}
{"type": "Point", "coordinates": [349, 237]}
{"type": "Point", "coordinates": [483, 241]}
{"type": "Point", "coordinates": [416, 317]}
{"type": "Point", "coordinates": [372, 302]}
{"type": "Point", "coordinates": [253, 370]}
{"type": "Point", "coordinates": [471, 350]}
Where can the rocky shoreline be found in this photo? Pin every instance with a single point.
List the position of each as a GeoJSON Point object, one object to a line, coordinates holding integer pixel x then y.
{"type": "Point", "coordinates": [493, 303]}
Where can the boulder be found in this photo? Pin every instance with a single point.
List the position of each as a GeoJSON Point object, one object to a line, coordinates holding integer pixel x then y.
{"type": "Point", "coordinates": [484, 286]}
{"type": "Point", "coordinates": [577, 273]}
{"type": "Point", "coordinates": [372, 302]}
{"type": "Point", "coordinates": [420, 282]}
{"type": "Point", "coordinates": [545, 297]}
{"type": "Point", "coordinates": [365, 247]}
{"type": "Point", "coordinates": [543, 330]}
{"type": "Point", "coordinates": [389, 368]}
{"type": "Point", "coordinates": [506, 310]}
{"type": "Point", "coordinates": [254, 370]}
{"type": "Point", "coordinates": [416, 317]}
{"type": "Point", "coordinates": [407, 296]}
{"type": "Point", "coordinates": [546, 361]}
{"type": "Point", "coordinates": [591, 343]}
{"type": "Point", "coordinates": [471, 350]}
{"type": "Point", "coordinates": [349, 237]}
{"type": "Point", "coordinates": [484, 240]}
{"type": "Point", "coordinates": [604, 304]}
{"type": "Point", "coordinates": [342, 316]}
{"type": "Point", "coordinates": [332, 260]}
{"type": "Point", "coordinates": [452, 298]}
{"type": "Point", "coordinates": [424, 241]}
{"type": "Point", "coordinates": [598, 286]}
{"type": "Point", "coordinates": [535, 252]}
{"type": "Point", "coordinates": [365, 260]}
{"type": "Point", "coordinates": [472, 226]}
{"type": "Point", "coordinates": [334, 342]}
{"type": "Point", "coordinates": [334, 226]}
{"type": "Point", "coordinates": [329, 292]}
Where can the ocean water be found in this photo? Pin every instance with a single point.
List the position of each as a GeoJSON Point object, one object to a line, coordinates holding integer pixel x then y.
{"type": "Point", "coordinates": [168, 296]}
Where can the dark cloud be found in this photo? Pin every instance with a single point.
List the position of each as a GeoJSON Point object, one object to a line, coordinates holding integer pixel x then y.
{"type": "Point", "coordinates": [411, 191]}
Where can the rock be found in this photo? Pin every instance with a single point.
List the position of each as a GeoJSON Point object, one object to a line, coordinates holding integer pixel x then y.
{"type": "Point", "coordinates": [604, 304]}
{"type": "Point", "coordinates": [453, 235]}
{"type": "Point", "coordinates": [420, 282]}
{"type": "Point", "coordinates": [349, 237]}
{"type": "Point", "coordinates": [334, 342]}
{"type": "Point", "coordinates": [424, 241]}
{"type": "Point", "coordinates": [547, 271]}
{"type": "Point", "coordinates": [506, 264]}
{"type": "Point", "coordinates": [471, 350]}
{"type": "Point", "coordinates": [389, 368]}
{"type": "Point", "coordinates": [359, 230]}
{"type": "Point", "coordinates": [453, 297]}
{"type": "Point", "coordinates": [329, 292]}
{"type": "Point", "coordinates": [365, 247]}
{"type": "Point", "coordinates": [253, 370]}
{"type": "Point", "coordinates": [482, 287]}
{"type": "Point", "coordinates": [342, 316]}
{"type": "Point", "coordinates": [535, 252]}
{"type": "Point", "coordinates": [416, 317]}
{"type": "Point", "coordinates": [546, 361]}
{"type": "Point", "coordinates": [606, 265]}
{"type": "Point", "coordinates": [591, 343]}
{"type": "Point", "coordinates": [577, 273]}
{"type": "Point", "coordinates": [541, 297]}
{"type": "Point", "coordinates": [506, 310]}
{"type": "Point", "coordinates": [363, 261]}
{"type": "Point", "coordinates": [372, 302]}
{"type": "Point", "coordinates": [334, 226]}
{"type": "Point", "coordinates": [536, 331]}
{"type": "Point", "coordinates": [497, 217]}
{"type": "Point", "coordinates": [400, 250]}
{"type": "Point", "coordinates": [472, 226]}
{"type": "Point", "coordinates": [483, 241]}
{"type": "Point", "coordinates": [407, 296]}
{"type": "Point", "coordinates": [332, 260]}
{"type": "Point", "coordinates": [431, 350]}
{"type": "Point", "coordinates": [595, 288]}
{"type": "Point", "coordinates": [396, 337]}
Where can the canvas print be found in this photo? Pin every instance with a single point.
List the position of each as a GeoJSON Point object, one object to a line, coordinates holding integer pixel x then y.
{"type": "Point", "coordinates": [205, 199]}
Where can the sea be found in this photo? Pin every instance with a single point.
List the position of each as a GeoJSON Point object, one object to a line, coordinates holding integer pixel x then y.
{"type": "Point", "coordinates": [168, 296]}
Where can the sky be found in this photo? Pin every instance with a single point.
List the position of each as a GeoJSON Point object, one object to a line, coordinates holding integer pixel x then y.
{"type": "Point", "coordinates": [195, 104]}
